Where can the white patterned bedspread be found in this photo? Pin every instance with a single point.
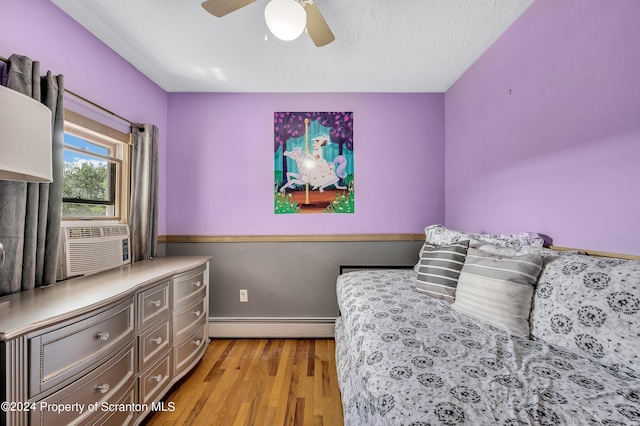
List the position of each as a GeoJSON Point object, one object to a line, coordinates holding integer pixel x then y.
{"type": "Point", "coordinates": [405, 358]}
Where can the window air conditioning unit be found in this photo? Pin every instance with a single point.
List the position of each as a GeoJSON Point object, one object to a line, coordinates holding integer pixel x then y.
{"type": "Point", "coordinates": [93, 248]}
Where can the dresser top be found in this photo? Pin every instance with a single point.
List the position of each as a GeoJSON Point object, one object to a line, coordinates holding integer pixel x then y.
{"type": "Point", "coordinates": [33, 309]}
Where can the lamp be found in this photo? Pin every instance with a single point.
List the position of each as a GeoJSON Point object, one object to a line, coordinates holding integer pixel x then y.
{"type": "Point", "coordinates": [286, 19]}
{"type": "Point", "coordinates": [25, 140]}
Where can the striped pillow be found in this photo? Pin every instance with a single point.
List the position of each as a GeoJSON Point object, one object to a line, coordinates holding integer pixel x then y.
{"type": "Point", "coordinates": [439, 268]}
{"type": "Point", "coordinates": [498, 290]}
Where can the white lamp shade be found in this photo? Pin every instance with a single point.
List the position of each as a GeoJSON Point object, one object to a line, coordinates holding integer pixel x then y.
{"type": "Point", "coordinates": [286, 19]}
{"type": "Point", "coordinates": [25, 138]}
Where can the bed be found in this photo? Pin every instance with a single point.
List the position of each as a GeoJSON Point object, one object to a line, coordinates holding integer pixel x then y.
{"type": "Point", "coordinates": [407, 358]}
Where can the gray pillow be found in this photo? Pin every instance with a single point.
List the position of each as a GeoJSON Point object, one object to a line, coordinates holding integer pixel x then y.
{"type": "Point", "coordinates": [439, 268]}
{"type": "Point", "coordinates": [498, 290]}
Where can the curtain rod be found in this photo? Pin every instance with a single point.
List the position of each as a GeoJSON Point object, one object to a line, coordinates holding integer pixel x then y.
{"type": "Point", "coordinates": [82, 98]}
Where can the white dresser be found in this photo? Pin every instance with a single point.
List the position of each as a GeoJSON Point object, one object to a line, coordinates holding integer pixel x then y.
{"type": "Point", "coordinates": [102, 349]}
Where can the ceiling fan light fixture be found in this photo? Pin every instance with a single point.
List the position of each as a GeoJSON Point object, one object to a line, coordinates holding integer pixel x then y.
{"type": "Point", "coordinates": [286, 19]}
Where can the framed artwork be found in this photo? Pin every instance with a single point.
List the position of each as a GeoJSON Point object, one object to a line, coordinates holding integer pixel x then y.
{"type": "Point", "coordinates": [313, 162]}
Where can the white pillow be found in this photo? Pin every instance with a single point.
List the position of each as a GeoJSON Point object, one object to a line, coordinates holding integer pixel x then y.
{"type": "Point", "coordinates": [492, 249]}
{"type": "Point", "coordinates": [498, 290]}
{"type": "Point", "coordinates": [590, 305]}
{"type": "Point", "coordinates": [440, 235]}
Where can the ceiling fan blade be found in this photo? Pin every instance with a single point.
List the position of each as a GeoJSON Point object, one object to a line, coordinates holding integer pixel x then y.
{"type": "Point", "coordinates": [220, 8]}
{"type": "Point", "coordinates": [317, 27]}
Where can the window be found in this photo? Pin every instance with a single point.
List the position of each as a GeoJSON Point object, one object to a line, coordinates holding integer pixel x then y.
{"type": "Point", "coordinates": [95, 175]}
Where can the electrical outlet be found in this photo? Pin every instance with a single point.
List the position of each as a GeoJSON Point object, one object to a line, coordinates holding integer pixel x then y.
{"type": "Point", "coordinates": [244, 295]}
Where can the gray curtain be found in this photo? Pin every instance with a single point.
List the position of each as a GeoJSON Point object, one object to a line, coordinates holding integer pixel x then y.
{"type": "Point", "coordinates": [30, 212]}
{"type": "Point", "coordinates": [143, 217]}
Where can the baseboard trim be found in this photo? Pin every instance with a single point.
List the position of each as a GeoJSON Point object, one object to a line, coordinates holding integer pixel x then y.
{"type": "Point", "coordinates": [262, 328]}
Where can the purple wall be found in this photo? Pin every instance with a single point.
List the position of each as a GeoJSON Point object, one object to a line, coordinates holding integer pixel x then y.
{"type": "Point", "coordinates": [543, 131]}
{"type": "Point", "coordinates": [216, 171]}
{"type": "Point", "coordinates": [220, 169]}
{"type": "Point", "coordinates": [40, 30]}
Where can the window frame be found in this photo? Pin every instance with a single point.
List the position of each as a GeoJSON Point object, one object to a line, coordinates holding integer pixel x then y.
{"type": "Point", "coordinates": [119, 146]}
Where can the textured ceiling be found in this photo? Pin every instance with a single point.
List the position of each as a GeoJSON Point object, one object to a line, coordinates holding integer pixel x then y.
{"type": "Point", "coordinates": [380, 46]}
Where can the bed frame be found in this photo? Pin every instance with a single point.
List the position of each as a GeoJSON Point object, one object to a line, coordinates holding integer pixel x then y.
{"type": "Point", "coordinates": [597, 253]}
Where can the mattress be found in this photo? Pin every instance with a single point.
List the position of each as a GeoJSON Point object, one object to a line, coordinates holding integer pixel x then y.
{"type": "Point", "coordinates": [405, 358]}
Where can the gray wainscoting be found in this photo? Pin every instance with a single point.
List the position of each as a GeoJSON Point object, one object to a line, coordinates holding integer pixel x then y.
{"type": "Point", "coordinates": [162, 250]}
{"type": "Point", "coordinates": [285, 279]}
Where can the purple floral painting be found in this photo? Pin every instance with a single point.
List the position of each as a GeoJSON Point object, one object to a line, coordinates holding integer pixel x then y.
{"type": "Point", "coordinates": [313, 162]}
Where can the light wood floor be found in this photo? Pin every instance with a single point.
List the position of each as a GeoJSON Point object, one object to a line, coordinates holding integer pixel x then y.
{"type": "Point", "coordinates": [258, 382]}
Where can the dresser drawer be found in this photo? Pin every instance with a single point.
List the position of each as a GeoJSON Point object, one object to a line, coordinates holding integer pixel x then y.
{"type": "Point", "coordinates": [76, 346]}
{"type": "Point", "coordinates": [155, 380]}
{"type": "Point", "coordinates": [152, 343]}
{"type": "Point", "coordinates": [186, 318]}
{"type": "Point", "coordinates": [121, 417]}
{"type": "Point", "coordinates": [189, 288]}
{"type": "Point", "coordinates": [105, 385]}
{"type": "Point", "coordinates": [153, 305]}
{"type": "Point", "coordinates": [187, 352]}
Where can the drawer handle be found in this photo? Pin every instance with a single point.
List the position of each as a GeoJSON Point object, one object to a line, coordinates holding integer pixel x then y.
{"type": "Point", "coordinates": [157, 378]}
{"type": "Point", "coordinates": [103, 388]}
{"type": "Point", "coordinates": [103, 335]}
{"type": "Point", "coordinates": [197, 342]}
{"type": "Point", "coordinates": [157, 340]}
{"type": "Point", "coordinates": [197, 313]}
{"type": "Point", "coordinates": [197, 283]}
{"type": "Point", "coordinates": [156, 303]}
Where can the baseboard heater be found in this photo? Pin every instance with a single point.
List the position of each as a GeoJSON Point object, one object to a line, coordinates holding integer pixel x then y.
{"type": "Point", "coordinates": [271, 327]}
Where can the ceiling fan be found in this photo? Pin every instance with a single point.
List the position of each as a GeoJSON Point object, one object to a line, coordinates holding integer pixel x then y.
{"type": "Point", "coordinates": [286, 19]}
